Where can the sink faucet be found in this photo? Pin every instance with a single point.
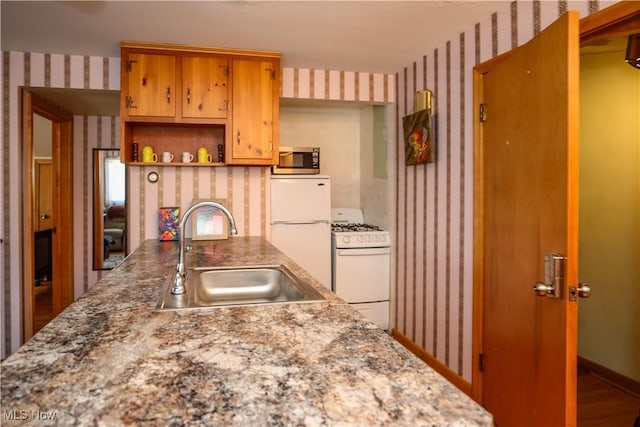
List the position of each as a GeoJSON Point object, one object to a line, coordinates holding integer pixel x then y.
{"type": "Point", "coordinates": [181, 274]}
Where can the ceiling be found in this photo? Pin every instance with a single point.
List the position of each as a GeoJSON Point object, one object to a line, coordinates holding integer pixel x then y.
{"type": "Point", "coordinates": [372, 36]}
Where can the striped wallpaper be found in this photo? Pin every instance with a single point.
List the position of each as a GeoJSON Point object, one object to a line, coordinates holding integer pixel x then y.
{"type": "Point", "coordinates": [244, 188]}
{"type": "Point", "coordinates": [434, 202]}
{"type": "Point", "coordinates": [432, 207]}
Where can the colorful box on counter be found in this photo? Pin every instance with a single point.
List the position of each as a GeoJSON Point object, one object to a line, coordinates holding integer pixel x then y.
{"type": "Point", "coordinates": [168, 224]}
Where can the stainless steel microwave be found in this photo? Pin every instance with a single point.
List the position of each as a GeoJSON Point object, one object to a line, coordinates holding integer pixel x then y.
{"type": "Point", "coordinates": [298, 160]}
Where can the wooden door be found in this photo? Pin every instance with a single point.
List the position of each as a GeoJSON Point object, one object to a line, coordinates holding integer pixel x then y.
{"type": "Point", "coordinates": [151, 85]}
{"type": "Point", "coordinates": [43, 194]}
{"type": "Point", "coordinates": [62, 207]}
{"type": "Point", "coordinates": [204, 87]}
{"type": "Point", "coordinates": [526, 207]}
{"type": "Point", "coordinates": [252, 137]}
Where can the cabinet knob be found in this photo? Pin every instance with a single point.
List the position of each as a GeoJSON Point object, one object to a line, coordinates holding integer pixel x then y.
{"type": "Point", "coordinates": [168, 95]}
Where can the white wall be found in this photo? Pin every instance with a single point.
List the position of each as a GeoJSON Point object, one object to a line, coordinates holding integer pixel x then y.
{"type": "Point", "coordinates": [336, 130]}
{"type": "Point", "coordinates": [353, 141]}
{"type": "Point", "coordinates": [42, 134]}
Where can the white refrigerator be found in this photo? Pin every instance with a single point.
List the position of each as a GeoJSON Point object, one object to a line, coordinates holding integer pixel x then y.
{"type": "Point", "coordinates": [301, 221]}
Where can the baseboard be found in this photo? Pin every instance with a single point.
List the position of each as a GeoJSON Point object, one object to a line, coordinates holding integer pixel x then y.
{"type": "Point", "coordinates": [620, 381]}
{"type": "Point", "coordinates": [434, 363]}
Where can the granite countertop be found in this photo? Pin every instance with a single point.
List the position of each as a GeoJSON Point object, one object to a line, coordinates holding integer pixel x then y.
{"type": "Point", "coordinates": [111, 359]}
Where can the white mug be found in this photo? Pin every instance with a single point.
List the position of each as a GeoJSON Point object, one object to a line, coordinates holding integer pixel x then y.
{"type": "Point", "coordinates": [167, 157]}
{"type": "Point", "coordinates": [187, 157]}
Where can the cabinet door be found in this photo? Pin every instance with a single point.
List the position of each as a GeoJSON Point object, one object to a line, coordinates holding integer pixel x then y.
{"type": "Point", "coordinates": [253, 132]}
{"type": "Point", "coordinates": [151, 85]}
{"type": "Point", "coordinates": [204, 87]}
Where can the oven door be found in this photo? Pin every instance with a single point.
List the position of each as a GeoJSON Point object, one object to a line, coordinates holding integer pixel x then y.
{"type": "Point", "coordinates": [362, 274]}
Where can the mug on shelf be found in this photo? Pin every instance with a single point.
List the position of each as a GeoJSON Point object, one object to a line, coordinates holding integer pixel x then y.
{"type": "Point", "coordinates": [204, 156]}
{"type": "Point", "coordinates": [148, 156]}
{"type": "Point", "coordinates": [187, 157]}
{"type": "Point", "coordinates": [167, 157]}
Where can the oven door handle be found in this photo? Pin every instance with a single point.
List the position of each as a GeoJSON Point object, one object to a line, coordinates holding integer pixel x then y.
{"type": "Point", "coordinates": [363, 251]}
{"type": "Point", "coordinates": [305, 222]}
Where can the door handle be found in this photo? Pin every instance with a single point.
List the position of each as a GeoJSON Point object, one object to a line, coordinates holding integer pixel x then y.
{"type": "Point", "coordinates": [553, 277]}
{"type": "Point", "coordinates": [583, 290]}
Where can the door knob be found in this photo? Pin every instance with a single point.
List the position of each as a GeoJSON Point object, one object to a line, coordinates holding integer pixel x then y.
{"type": "Point", "coordinates": [584, 290]}
{"type": "Point", "coordinates": [542, 290]}
{"type": "Point", "coordinates": [553, 277]}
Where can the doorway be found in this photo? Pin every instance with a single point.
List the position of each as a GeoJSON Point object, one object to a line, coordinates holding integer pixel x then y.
{"type": "Point", "coordinates": [43, 221]}
{"type": "Point", "coordinates": [47, 217]}
{"type": "Point", "coordinates": [608, 342]}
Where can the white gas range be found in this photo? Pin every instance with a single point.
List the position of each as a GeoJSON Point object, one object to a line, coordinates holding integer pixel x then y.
{"type": "Point", "coordinates": [360, 264]}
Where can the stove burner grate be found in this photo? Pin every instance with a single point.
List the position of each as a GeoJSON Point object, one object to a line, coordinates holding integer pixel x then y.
{"type": "Point", "coordinates": [346, 227]}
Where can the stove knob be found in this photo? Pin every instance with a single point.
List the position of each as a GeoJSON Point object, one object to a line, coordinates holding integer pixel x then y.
{"type": "Point", "coordinates": [374, 238]}
{"type": "Point", "coordinates": [346, 239]}
{"type": "Point", "coordinates": [359, 239]}
{"type": "Point", "coordinates": [367, 239]}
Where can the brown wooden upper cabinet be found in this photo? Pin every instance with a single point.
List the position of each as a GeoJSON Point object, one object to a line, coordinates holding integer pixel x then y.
{"type": "Point", "coordinates": [151, 85]}
{"type": "Point", "coordinates": [204, 87]}
{"type": "Point", "coordinates": [180, 98]}
{"type": "Point", "coordinates": [254, 113]}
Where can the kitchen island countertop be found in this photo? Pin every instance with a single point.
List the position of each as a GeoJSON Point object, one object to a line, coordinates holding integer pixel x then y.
{"type": "Point", "coordinates": [111, 359]}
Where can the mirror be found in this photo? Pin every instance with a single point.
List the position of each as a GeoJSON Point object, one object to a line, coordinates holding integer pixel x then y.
{"type": "Point", "coordinates": [109, 209]}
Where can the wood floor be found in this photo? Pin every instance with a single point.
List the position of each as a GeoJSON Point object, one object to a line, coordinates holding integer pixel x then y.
{"type": "Point", "coordinates": [603, 405]}
{"type": "Point", "coordinates": [44, 306]}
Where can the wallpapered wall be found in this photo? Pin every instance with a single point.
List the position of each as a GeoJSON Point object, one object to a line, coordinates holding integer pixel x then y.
{"type": "Point", "coordinates": [244, 188]}
{"type": "Point", "coordinates": [434, 202]}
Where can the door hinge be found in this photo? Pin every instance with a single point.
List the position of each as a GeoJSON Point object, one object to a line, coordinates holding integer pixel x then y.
{"type": "Point", "coordinates": [481, 362]}
{"type": "Point", "coordinates": [129, 102]}
{"type": "Point", "coordinates": [272, 73]}
{"type": "Point", "coordinates": [129, 63]}
{"type": "Point", "coordinates": [483, 113]}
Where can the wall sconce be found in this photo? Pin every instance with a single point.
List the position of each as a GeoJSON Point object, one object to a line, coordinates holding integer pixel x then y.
{"type": "Point", "coordinates": [633, 51]}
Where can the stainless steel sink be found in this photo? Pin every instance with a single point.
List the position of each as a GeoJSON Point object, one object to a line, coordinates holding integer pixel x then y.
{"type": "Point", "coordinates": [230, 286]}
